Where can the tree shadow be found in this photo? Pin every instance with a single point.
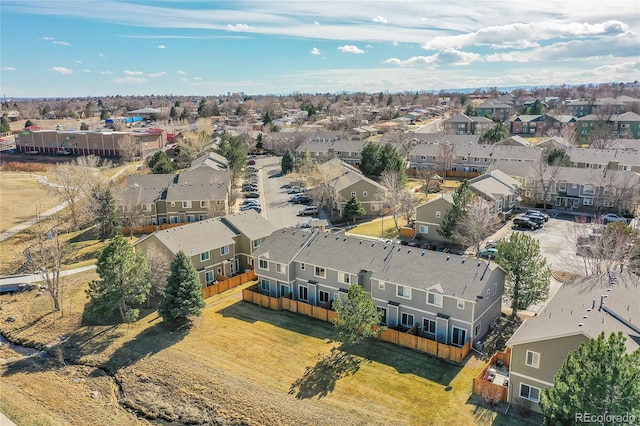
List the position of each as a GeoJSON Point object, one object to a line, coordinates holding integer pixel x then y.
{"type": "Point", "coordinates": [319, 380]}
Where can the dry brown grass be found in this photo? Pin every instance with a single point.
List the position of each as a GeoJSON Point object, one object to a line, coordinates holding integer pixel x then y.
{"type": "Point", "coordinates": [21, 198]}
{"type": "Point", "coordinates": [239, 364]}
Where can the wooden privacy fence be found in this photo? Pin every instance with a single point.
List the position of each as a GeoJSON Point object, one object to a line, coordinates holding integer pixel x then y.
{"type": "Point", "coordinates": [489, 390]}
{"type": "Point", "coordinates": [228, 283]}
{"type": "Point", "coordinates": [431, 347]}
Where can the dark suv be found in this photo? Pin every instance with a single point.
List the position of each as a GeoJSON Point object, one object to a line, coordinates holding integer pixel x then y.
{"type": "Point", "coordinates": [535, 219]}
{"type": "Point", "coordinates": [523, 222]}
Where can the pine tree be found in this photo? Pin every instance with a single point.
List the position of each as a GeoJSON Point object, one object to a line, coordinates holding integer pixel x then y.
{"type": "Point", "coordinates": [599, 377]}
{"type": "Point", "coordinates": [107, 215]}
{"type": "Point", "coordinates": [353, 209]}
{"type": "Point", "coordinates": [5, 127]}
{"type": "Point", "coordinates": [183, 296]}
{"type": "Point", "coordinates": [370, 160]}
{"type": "Point", "coordinates": [456, 211]}
{"type": "Point", "coordinates": [528, 275]}
{"type": "Point", "coordinates": [287, 162]}
{"type": "Point", "coordinates": [356, 316]}
{"type": "Point", "coordinates": [259, 142]}
{"type": "Point", "coordinates": [124, 282]}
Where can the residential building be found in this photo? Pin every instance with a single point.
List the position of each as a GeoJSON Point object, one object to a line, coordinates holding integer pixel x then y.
{"type": "Point", "coordinates": [541, 125]}
{"type": "Point", "coordinates": [217, 247]}
{"type": "Point", "coordinates": [429, 217]}
{"type": "Point", "coordinates": [627, 125]}
{"type": "Point", "coordinates": [444, 297]}
{"type": "Point", "coordinates": [499, 189]}
{"type": "Point", "coordinates": [102, 143]}
{"type": "Point", "coordinates": [579, 311]}
{"type": "Point", "coordinates": [495, 109]}
{"type": "Point", "coordinates": [349, 181]}
{"type": "Point", "coordinates": [461, 124]}
{"type": "Point", "coordinates": [583, 107]}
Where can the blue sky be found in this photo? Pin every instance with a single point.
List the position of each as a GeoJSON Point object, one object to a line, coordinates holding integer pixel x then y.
{"type": "Point", "coordinates": [95, 48]}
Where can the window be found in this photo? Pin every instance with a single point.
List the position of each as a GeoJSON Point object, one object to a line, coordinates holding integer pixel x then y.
{"type": "Point", "coordinates": [423, 229]}
{"type": "Point", "coordinates": [302, 266]}
{"type": "Point", "coordinates": [587, 201]}
{"type": "Point", "coordinates": [209, 278]}
{"type": "Point", "coordinates": [203, 204]}
{"type": "Point", "coordinates": [202, 217]}
{"type": "Point", "coordinates": [406, 320]}
{"type": "Point", "coordinates": [224, 250]}
{"type": "Point", "coordinates": [459, 336]}
{"type": "Point", "coordinates": [186, 204]}
{"type": "Point", "coordinates": [191, 218]}
{"type": "Point", "coordinates": [533, 359]}
{"type": "Point", "coordinates": [429, 326]}
{"type": "Point", "coordinates": [460, 304]}
{"type": "Point", "coordinates": [264, 285]}
{"type": "Point", "coordinates": [256, 243]}
{"type": "Point", "coordinates": [562, 186]}
{"type": "Point", "coordinates": [438, 214]}
{"type": "Point", "coordinates": [495, 288]}
{"type": "Point", "coordinates": [364, 194]}
{"type": "Point", "coordinates": [263, 264]}
{"type": "Point", "coordinates": [320, 272]}
{"type": "Point", "coordinates": [381, 285]}
{"type": "Point", "coordinates": [383, 317]}
{"type": "Point", "coordinates": [219, 271]}
{"type": "Point", "coordinates": [488, 293]}
{"type": "Point", "coordinates": [478, 329]}
{"type": "Point", "coordinates": [588, 189]}
{"type": "Point", "coordinates": [529, 392]}
{"type": "Point", "coordinates": [374, 207]}
{"type": "Point", "coordinates": [344, 278]}
{"type": "Point", "coordinates": [404, 292]}
{"type": "Point", "coordinates": [303, 293]}
{"type": "Point", "coordinates": [279, 268]}
{"type": "Point", "coordinates": [434, 299]}
{"type": "Point", "coordinates": [323, 296]}
{"type": "Point", "coordinates": [204, 256]}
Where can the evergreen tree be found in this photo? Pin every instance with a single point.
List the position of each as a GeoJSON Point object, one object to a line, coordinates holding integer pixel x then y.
{"type": "Point", "coordinates": [104, 114]}
{"type": "Point", "coordinates": [259, 142]}
{"type": "Point", "coordinates": [528, 275]}
{"type": "Point", "coordinates": [370, 161]}
{"type": "Point", "coordinates": [5, 127]}
{"type": "Point", "coordinates": [469, 111]}
{"type": "Point", "coordinates": [160, 163]}
{"type": "Point", "coordinates": [353, 209]}
{"type": "Point", "coordinates": [124, 282]}
{"type": "Point", "coordinates": [391, 160]}
{"type": "Point", "coordinates": [495, 134]}
{"type": "Point", "coordinates": [537, 108]}
{"type": "Point", "coordinates": [107, 214]}
{"type": "Point", "coordinates": [84, 126]}
{"type": "Point", "coordinates": [173, 113]}
{"type": "Point", "coordinates": [287, 163]}
{"type": "Point", "coordinates": [356, 316]}
{"type": "Point", "coordinates": [558, 157]}
{"type": "Point", "coordinates": [456, 212]}
{"type": "Point", "coordinates": [183, 296]}
{"type": "Point", "coordinates": [599, 377]}
{"type": "Point", "coordinates": [28, 123]}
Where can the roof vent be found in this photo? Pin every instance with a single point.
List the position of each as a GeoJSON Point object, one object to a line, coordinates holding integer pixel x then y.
{"type": "Point", "coordinates": [422, 254]}
{"type": "Point", "coordinates": [338, 237]}
{"type": "Point", "coordinates": [345, 239]}
{"type": "Point", "coordinates": [464, 260]}
{"type": "Point", "coordinates": [360, 241]}
{"type": "Point", "coordinates": [373, 244]}
{"type": "Point", "coordinates": [448, 257]}
{"type": "Point", "coordinates": [479, 263]}
{"type": "Point", "coordinates": [580, 324]}
{"type": "Point", "coordinates": [409, 251]}
{"type": "Point", "coordinates": [585, 316]}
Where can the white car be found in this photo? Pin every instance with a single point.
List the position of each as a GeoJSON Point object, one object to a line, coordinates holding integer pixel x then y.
{"type": "Point", "coordinates": [612, 217]}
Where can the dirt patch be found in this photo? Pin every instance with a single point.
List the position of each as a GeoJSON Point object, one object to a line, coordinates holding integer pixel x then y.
{"type": "Point", "coordinates": [564, 277]}
{"type": "Point", "coordinates": [496, 339]}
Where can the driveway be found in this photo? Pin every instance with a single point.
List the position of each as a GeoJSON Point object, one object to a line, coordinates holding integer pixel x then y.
{"type": "Point", "coordinates": [275, 200]}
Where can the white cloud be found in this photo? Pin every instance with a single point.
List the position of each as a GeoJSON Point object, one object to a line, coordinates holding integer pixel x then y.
{"type": "Point", "coordinates": [316, 23]}
{"type": "Point", "coordinates": [316, 51]}
{"type": "Point", "coordinates": [161, 46]}
{"type": "Point", "coordinates": [101, 55]}
{"type": "Point", "coordinates": [106, 72]}
{"type": "Point", "coordinates": [86, 70]}
{"type": "Point", "coordinates": [380, 20]}
{"type": "Point", "coordinates": [180, 72]}
{"type": "Point", "coordinates": [184, 79]}
{"type": "Point", "coordinates": [62, 70]}
{"type": "Point", "coordinates": [239, 27]}
{"type": "Point", "coordinates": [350, 49]}
{"type": "Point", "coordinates": [444, 57]}
{"type": "Point", "coordinates": [62, 43]}
{"type": "Point", "coordinates": [8, 69]}
{"type": "Point", "coordinates": [197, 78]}
{"type": "Point", "coordinates": [157, 74]}
{"type": "Point", "coordinates": [130, 80]}
{"type": "Point", "coordinates": [368, 46]}
{"type": "Point", "coordinates": [127, 72]}
{"type": "Point", "coordinates": [47, 38]}
{"type": "Point", "coordinates": [78, 62]}
{"type": "Point", "coordinates": [395, 43]}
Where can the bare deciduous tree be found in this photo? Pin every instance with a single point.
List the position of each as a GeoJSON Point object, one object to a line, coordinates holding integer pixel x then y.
{"type": "Point", "coordinates": [407, 206]}
{"type": "Point", "coordinates": [128, 148]}
{"type": "Point", "coordinates": [159, 268]}
{"type": "Point", "coordinates": [392, 181]}
{"type": "Point", "coordinates": [480, 220]}
{"type": "Point", "coordinates": [430, 181]}
{"type": "Point", "coordinates": [445, 157]}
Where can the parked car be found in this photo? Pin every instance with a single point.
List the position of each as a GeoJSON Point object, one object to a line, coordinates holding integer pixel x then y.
{"type": "Point", "coordinates": [251, 162]}
{"type": "Point", "coordinates": [308, 223]}
{"type": "Point", "coordinates": [249, 187]}
{"type": "Point", "coordinates": [523, 222]}
{"type": "Point", "coordinates": [252, 169]}
{"type": "Point", "coordinates": [295, 190]}
{"type": "Point", "coordinates": [537, 213]}
{"type": "Point", "coordinates": [308, 210]}
{"type": "Point", "coordinates": [251, 207]}
{"type": "Point", "coordinates": [63, 152]}
{"type": "Point", "coordinates": [612, 217]}
{"type": "Point", "coordinates": [535, 219]}
{"type": "Point", "coordinates": [251, 195]}
{"type": "Point", "coordinates": [300, 199]}
{"type": "Point", "coordinates": [286, 186]}
{"type": "Point", "coordinates": [488, 253]}
{"type": "Point", "coordinates": [245, 202]}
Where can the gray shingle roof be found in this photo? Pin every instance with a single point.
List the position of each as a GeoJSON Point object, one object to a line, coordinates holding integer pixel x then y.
{"type": "Point", "coordinates": [578, 303]}
{"type": "Point", "coordinates": [202, 183]}
{"type": "Point", "coordinates": [197, 237]}
{"type": "Point", "coordinates": [604, 156]}
{"type": "Point", "coordinates": [250, 223]}
{"type": "Point", "coordinates": [394, 263]}
{"type": "Point", "coordinates": [145, 189]}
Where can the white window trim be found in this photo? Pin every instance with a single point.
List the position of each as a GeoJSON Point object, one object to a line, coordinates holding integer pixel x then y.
{"type": "Point", "coordinates": [315, 272]}
{"type": "Point", "coordinates": [398, 287]}
{"type": "Point", "coordinates": [307, 291]}
{"type": "Point", "coordinates": [260, 264]}
{"type": "Point", "coordinates": [529, 397]}
{"type": "Point", "coordinates": [534, 355]}
{"type": "Point", "coordinates": [460, 304]}
{"type": "Point", "coordinates": [222, 252]}
{"type": "Point", "coordinates": [435, 299]}
{"type": "Point", "coordinates": [185, 204]}
{"type": "Point", "coordinates": [380, 285]}
{"type": "Point", "coordinates": [205, 256]}
{"type": "Point", "coordinates": [302, 266]}
{"type": "Point", "coordinates": [413, 319]}
{"type": "Point", "coordinates": [341, 277]}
